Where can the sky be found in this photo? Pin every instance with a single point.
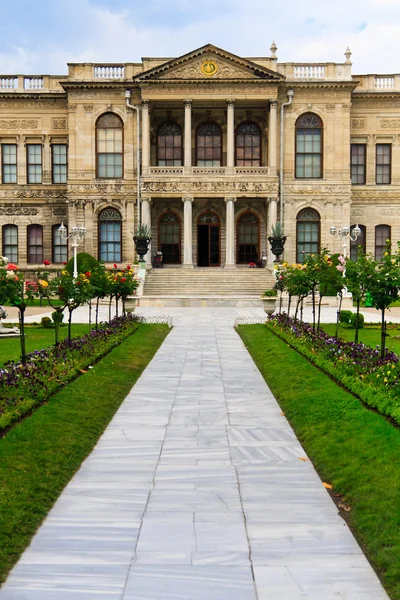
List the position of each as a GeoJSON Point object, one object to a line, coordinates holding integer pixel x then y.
{"type": "Point", "coordinates": [42, 36]}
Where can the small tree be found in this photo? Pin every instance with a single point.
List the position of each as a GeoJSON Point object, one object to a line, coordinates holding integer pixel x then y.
{"type": "Point", "coordinates": [358, 279]}
{"type": "Point", "coordinates": [125, 285]}
{"type": "Point", "coordinates": [297, 284]}
{"type": "Point", "coordinates": [330, 280]}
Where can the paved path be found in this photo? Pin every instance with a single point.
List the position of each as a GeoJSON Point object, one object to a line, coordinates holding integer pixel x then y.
{"type": "Point", "coordinates": [196, 491]}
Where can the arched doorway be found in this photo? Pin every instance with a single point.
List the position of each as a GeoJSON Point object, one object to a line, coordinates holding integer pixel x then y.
{"type": "Point", "coordinates": [208, 240]}
{"type": "Point", "coordinates": [248, 238]}
{"type": "Point", "coordinates": [169, 238]}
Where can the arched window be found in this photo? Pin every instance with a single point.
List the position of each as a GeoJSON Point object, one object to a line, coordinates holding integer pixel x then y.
{"type": "Point", "coordinates": [35, 244]}
{"type": "Point", "coordinates": [309, 146]}
{"type": "Point", "coordinates": [248, 238]}
{"type": "Point", "coordinates": [10, 243]}
{"type": "Point", "coordinates": [359, 243]}
{"type": "Point", "coordinates": [382, 233]}
{"type": "Point", "coordinates": [308, 233]}
{"type": "Point", "coordinates": [170, 238]}
{"type": "Point", "coordinates": [169, 145]}
{"type": "Point", "coordinates": [109, 143]}
{"type": "Point", "coordinates": [209, 145]}
{"type": "Point", "coordinates": [110, 235]}
{"type": "Point", "coordinates": [59, 245]}
{"type": "Point", "coordinates": [248, 145]}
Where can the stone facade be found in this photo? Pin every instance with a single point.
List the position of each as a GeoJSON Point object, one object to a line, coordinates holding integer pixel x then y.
{"type": "Point", "coordinates": [224, 208]}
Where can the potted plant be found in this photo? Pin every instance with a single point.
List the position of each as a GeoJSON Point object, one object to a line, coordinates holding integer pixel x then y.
{"type": "Point", "coordinates": [142, 238]}
{"type": "Point", "coordinates": [269, 301]}
{"type": "Point", "coordinates": [277, 240]}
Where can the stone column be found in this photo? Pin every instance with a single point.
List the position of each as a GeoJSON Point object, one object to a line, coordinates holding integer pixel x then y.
{"type": "Point", "coordinates": [230, 261]}
{"type": "Point", "coordinates": [230, 138]}
{"type": "Point", "coordinates": [188, 136]}
{"type": "Point", "coordinates": [146, 220]}
{"type": "Point", "coordinates": [187, 232]}
{"type": "Point", "coordinates": [272, 137]}
{"type": "Point", "coordinates": [272, 220]}
{"type": "Point", "coordinates": [145, 138]}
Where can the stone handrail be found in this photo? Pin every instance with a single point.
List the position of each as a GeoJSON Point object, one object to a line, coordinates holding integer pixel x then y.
{"type": "Point", "coordinates": [32, 83]}
{"type": "Point", "coordinates": [375, 82]}
{"type": "Point", "coordinates": [309, 71]}
{"type": "Point", "coordinates": [109, 71]}
{"type": "Point", "coordinates": [208, 171]}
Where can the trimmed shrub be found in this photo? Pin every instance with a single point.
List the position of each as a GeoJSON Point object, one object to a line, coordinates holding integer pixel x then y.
{"type": "Point", "coordinates": [353, 321]}
{"type": "Point", "coordinates": [345, 316]}
{"type": "Point", "coordinates": [58, 317]}
{"type": "Point", "coordinates": [46, 323]}
{"type": "Point", "coordinates": [86, 262]}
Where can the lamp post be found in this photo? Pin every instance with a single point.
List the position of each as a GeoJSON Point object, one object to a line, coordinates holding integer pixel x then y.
{"type": "Point", "coordinates": [343, 233]}
{"type": "Point", "coordinates": [77, 235]}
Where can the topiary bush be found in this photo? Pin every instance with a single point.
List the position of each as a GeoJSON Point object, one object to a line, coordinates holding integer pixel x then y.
{"type": "Point", "coordinates": [345, 316]}
{"type": "Point", "coordinates": [353, 321]}
{"type": "Point", "coordinates": [57, 317]}
{"type": "Point", "coordinates": [86, 262]}
{"type": "Point", "coordinates": [46, 323]}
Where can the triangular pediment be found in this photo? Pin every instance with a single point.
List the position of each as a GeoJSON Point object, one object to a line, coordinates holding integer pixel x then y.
{"type": "Point", "coordinates": [209, 63]}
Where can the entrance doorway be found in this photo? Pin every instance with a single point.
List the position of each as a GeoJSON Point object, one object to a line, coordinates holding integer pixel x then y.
{"type": "Point", "coordinates": [208, 246]}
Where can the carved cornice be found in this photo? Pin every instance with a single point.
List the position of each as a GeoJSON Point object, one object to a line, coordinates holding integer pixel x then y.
{"type": "Point", "coordinates": [105, 189]}
{"type": "Point", "coordinates": [376, 194]}
{"type": "Point", "coordinates": [29, 103]}
{"type": "Point", "coordinates": [183, 188]}
{"type": "Point", "coordinates": [19, 123]}
{"type": "Point", "coordinates": [28, 193]}
{"type": "Point", "coordinates": [18, 211]}
{"type": "Point", "coordinates": [317, 190]}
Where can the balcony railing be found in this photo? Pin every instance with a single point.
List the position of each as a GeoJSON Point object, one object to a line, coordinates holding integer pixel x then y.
{"type": "Point", "coordinates": [32, 83]}
{"type": "Point", "coordinates": [209, 172]}
{"type": "Point", "coordinates": [309, 71]}
{"type": "Point", "coordinates": [109, 71]}
{"type": "Point", "coordinates": [384, 83]}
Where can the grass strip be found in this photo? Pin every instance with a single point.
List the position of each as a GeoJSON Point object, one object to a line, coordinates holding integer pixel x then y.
{"type": "Point", "coordinates": [381, 400]}
{"type": "Point", "coordinates": [40, 455]}
{"type": "Point", "coordinates": [353, 448]}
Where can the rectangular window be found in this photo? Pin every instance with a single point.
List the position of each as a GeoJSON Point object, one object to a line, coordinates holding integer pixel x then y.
{"type": "Point", "coordinates": [59, 163]}
{"type": "Point", "coordinates": [383, 164]}
{"type": "Point", "coordinates": [10, 243]}
{"type": "Point", "coordinates": [382, 234]}
{"type": "Point", "coordinates": [110, 241]}
{"type": "Point", "coordinates": [34, 163]}
{"type": "Point", "coordinates": [109, 153]}
{"type": "Point", "coordinates": [358, 163]}
{"type": "Point", "coordinates": [35, 244]}
{"type": "Point", "coordinates": [60, 246]}
{"type": "Point", "coordinates": [9, 163]}
{"type": "Point", "coordinates": [308, 153]}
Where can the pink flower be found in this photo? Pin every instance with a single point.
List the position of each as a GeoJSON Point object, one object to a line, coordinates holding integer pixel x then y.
{"type": "Point", "coordinates": [12, 267]}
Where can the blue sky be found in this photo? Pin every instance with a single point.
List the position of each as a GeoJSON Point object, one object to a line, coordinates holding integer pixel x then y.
{"type": "Point", "coordinates": [41, 36]}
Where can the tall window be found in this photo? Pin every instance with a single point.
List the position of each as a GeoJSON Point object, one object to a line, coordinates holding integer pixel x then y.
{"type": "Point", "coordinates": [110, 235]}
{"type": "Point", "coordinates": [59, 163]}
{"type": "Point", "coordinates": [359, 243]}
{"type": "Point", "coordinates": [308, 233]}
{"type": "Point", "coordinates": [382, 233]}
{"type": "Point", "coordinates": [309, 146]}
{"type": "Point", "coordinates": [10, 242]}
{"type": "Point", "coordinates": [209, 145]}
{"type": "Point", "coordinates": [59, 246]}
{"type": "Point", "coordinates": [109, 136]}
{"type": "Point", "coordinates": [35, 244]}
{"type": "Point", "coordinates": [169, 145]}
{"type": "Point", "coordinates": [358, 163]}
{"type": "Point", "coordinates": [248, 238]}
{"type": "Point", "coordinates": [170, 238]}
{"type": "Point", "coordinates": [383, 163]}
{"type": "Point", "coordinates": [248, 145]}
{"type": "Point", "coordinates": [34, 163]}
{"type": "Point", "coordinates": [9, 163]}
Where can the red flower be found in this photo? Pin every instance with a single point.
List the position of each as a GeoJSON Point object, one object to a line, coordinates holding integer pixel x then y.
{"type": "Point", "coordinates": [115, 266]}
{"type": "Point", "coordinates": [128, 267]}
{"type": "Point", "coordinates": [88, 274]}
{"type": "Point", "coordinates": [61, 289]}
{"type": "Point", "coordinates": [65, 263]}
{"type": "Point", "coordinates": [12, 267]}
{"type": "Point", "coordinates": [46, 263]}
{"type": "Point", "coordinates": [123, 279]}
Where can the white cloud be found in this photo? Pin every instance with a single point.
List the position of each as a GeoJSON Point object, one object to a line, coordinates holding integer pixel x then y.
{"type": "Point", "coordinates": [310, 31]}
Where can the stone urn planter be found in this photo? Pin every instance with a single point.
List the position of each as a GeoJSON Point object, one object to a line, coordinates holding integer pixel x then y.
{"type": "Point", "coordinates": [269, 304]}
{"type": "Point", "coordinates": [130, 304]}
{"type": "Point", "coordinates": [142, 239]}
{"type": "Point", "coordinates": [277, 245]}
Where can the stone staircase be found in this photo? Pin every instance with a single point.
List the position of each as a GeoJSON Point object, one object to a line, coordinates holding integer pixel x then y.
{"type": "Point", "coordinates": [205, 286]}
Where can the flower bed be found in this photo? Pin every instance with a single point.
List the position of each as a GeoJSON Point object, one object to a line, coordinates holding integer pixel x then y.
{"type": "Point", "coordinates": [359, 368]}
{"type": "Point", "coordinates": [22, 387]}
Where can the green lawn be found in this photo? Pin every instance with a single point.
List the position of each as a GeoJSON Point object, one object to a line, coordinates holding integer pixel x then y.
{"type": "Point", "coordinates": [44, 304]}
{"type": "Point", "coordinates": [36, 339]}
{"type": "Point", "coordinates": [369, 336]}
{"type": "Point", "coordinates": [39, 456]}
{"type": "Point", "coordinates": [353, 448]}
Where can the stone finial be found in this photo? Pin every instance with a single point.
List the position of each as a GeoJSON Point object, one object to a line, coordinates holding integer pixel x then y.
{"type": "Point", "coordinates": [273, 49]}
{"type": "Point", "coordinates": [348, 56]}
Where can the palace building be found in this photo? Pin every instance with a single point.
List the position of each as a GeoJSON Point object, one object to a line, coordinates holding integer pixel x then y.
{"type": "Point", "coordinates": [227, 147]}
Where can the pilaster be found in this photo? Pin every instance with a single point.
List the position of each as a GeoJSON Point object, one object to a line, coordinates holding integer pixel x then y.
{"type": "Point", "coordinates": [145, 137]}
{"type": "Point", "coordinates": [188, 134]}
{"type": "Point", "coordinates": [230, 128]}
{"type": "Point", "coordinates": [272, 137]}
{"type": "Point", "coordinates": [187, 232]}
{"type": "Point", "coordinates": [230, 261]}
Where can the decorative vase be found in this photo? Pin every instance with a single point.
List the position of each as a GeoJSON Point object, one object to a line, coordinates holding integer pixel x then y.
{"type": "Point", "coordinates": [269, 304]}
{"type": "Point", "coordinates": [277, 246]}
{"type": "Point", "coordinates": [130, 304]}
{"type": "Point", "coordinates": [142, 246]}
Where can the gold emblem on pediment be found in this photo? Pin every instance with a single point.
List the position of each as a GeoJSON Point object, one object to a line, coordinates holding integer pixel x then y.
{"type": "Point", "coordinates": [209, 68]}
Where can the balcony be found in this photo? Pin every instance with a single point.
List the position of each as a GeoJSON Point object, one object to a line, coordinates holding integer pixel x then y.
{"type": "Point", "coordinates": [378, 83]}
{"type": "Point", "coordinates": [31, 83]}
{"type": "Point", "coordinates": [209, 181]}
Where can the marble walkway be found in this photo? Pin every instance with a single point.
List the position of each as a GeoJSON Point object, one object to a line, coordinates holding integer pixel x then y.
{"type": "Point", "coordinates": [197, 490]}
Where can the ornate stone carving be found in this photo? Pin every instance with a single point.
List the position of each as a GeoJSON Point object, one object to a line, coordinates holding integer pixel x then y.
{"type": "Point", "coordinates": [19, 123]}
{"type": "Point", "coordinates": [18, 211]}
{"type": "Point", "coordinates": [390, 211]}
{"type": "Point", "coordinates": [376, 194]}
{"type": "Point", "coordinates": [357, 212]}
{"type": "Point", "coordinates": [358, 123]}
{"type": "Point", "coordinates": [194, 70]}
{"type": "Point", "coordinates": [389, 123]}
{"type": "Point", "coordinates": [220, 187]}
{"type": "Point", "coordinates": [60, 211]}
{"type": "Point", "coordinates": [59, 123]}
{"type": "Point", "coordinates": [346, 107]}
{"type": "Point", "coordinates": [330, 107]}
{"type": "Point", "coordinates": [95, 94]}
{"type": "Point", "coordinates": [33, 104]}
{"type": "Point", "coordinates": [88, 108]}
{"type": "Point", "coordinates": [318, 190]}
{"type": "Point", "coordinates": [105, 189]}
{"type": "Point", "coordinates": [28, 193]}
{"type": "Point", "coordinates": [71, 107]}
